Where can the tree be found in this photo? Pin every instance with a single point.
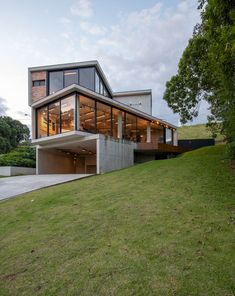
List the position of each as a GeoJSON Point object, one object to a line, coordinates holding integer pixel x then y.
{"type": "Point", "coordinates": [206, 70]}
{"type": "Point", "coordinates": [12, 132]}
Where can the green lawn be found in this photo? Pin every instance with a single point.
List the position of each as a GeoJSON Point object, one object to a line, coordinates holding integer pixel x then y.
{"type": "Point", "coordinates": [197, 131]}
{"type": "Point", "coordinates": [161, 228]}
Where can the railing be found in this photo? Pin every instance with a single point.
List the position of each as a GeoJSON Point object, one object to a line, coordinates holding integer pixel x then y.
{"type": "Point", "coordinates": [161, 147]}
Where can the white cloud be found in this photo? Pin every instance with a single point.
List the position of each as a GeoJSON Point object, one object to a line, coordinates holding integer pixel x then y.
{"type": "Point", "coordinates": [82, 8]}
{"type": "Point", "coordinates": [93, 29]}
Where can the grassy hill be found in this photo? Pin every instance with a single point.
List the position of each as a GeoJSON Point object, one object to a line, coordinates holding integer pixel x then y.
{"type": "Point", "coordinates": [160, 228]}
{"type": "Point", "coordinates": [197, 131]}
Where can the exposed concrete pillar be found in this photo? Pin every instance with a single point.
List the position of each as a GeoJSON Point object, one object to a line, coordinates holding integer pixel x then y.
{"type": "Point", "coordinates": [148, 132]}
{"type": "Point", "coordinates": [98, 156]}
{"type": "Point", "coordinates": [120, 125]}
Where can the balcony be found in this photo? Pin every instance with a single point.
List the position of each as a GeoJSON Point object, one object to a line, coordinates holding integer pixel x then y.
{"type": "Point", "coordinates": [161, 147]}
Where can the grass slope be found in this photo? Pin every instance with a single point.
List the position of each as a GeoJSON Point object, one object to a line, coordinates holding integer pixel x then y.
{"type": "Point", "coordinates": [159, 228]}
{"type": "Point", "coordinates": [197, 131]}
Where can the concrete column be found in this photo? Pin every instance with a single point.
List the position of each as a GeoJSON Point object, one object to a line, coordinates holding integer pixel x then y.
{"type": "Point", "coordinates": [98, 156]}
{"type": "Point", "coordinates": [148, 132]}
{"type": "Point", "coordinates": [120, 125]}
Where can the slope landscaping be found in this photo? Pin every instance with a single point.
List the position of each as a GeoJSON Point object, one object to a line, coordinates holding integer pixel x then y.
{"type": "Point", "coordinates": [160, 228]}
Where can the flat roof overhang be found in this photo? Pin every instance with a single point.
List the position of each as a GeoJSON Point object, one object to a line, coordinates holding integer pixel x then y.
{"type": "Point", "coordinates": [65, 138]}
{"type": "Point", "coordinates": [84, 91]}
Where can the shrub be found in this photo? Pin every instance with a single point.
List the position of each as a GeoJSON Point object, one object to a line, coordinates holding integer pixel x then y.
{"type": "Point", "coordinates": [24, 156]}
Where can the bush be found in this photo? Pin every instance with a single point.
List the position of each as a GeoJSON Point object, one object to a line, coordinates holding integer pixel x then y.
{"type": "Point", "coordinates": [24, 156]}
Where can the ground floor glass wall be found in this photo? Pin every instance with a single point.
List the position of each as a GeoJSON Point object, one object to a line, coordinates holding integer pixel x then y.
{"type": "Point", "coordinates": [96, 117]}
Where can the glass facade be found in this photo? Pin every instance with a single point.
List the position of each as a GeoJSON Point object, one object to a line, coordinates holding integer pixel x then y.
{"type": "Point", "coordinates": [168, 136]}
{"type": "Point", "coordinates": [70, 77]}
{"type": "Point", "coordinates": [97, 117]}
{"type": "Point", "coordinates": [87, 77]}
{"type": "Point", "coordinates": [87, 114]}
{"type": "Point", "coordinates": [68, 114]}
{"type": "Point", "coordinates": [55, 81]}
{"type": "Point", "coordinates": [54, 118]}
{"type": "Point", "coordinates": [103, 119]}
{"type": "Point", "coordinates": [42, 119]}
{"type": "Point", "coordinates": [130, 127]}
{"type": "Point", "coordinates": [57, 117]}
{"type": "Point", "coordinates": [141, 131]}
{"type": "Point", "coordinates": [157, 133]}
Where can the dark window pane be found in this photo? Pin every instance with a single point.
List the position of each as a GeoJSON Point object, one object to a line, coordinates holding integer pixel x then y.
{"type": "Point", "coordinates": [36, 83]}
{"type": "Point", "coordinates": [70, 77]}
{"type": "Point", "coordinates": [42, 122]}
{"type": "Point", "coordinates": [103, 119]}
{"type": "Point", "coordinates": [42, 82]}
{"type": "Point", "coordinates": [97, 83]}
{"type": "Point", "coordinates": [87, 78]}
{"type": "Point", "coordinates": [54, 118]}
{"type": "Point", "coordinates": [67, 114]}
{"type": "Point", "coordinates": [55, 81]}
{"type": "Point", "coordinates": [130, 129]}
{"type": "Point", "coordinates": [87, 114]}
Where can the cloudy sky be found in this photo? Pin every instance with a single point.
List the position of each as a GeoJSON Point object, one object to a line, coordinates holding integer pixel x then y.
{"type": "Point", "coordinates": [138, 43]}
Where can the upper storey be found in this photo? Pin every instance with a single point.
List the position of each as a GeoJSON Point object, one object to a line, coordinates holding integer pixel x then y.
{"type": "Point", "coordinates": [47, 80]}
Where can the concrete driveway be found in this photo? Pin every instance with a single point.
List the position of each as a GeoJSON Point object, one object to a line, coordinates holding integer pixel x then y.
{"type": "Point", "coordinates": [12, 186]}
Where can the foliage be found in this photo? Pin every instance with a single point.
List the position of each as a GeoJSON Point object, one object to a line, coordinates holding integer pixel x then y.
{"type": "Point", "coordinates": [207, 70]}
{"type": "Point", "coordinates": [24, 156]}
{"type": "Point", "coordinates": [159, 228]}
{"type": "Point", "coordinates": [12, 132]}
{"type": "Point", "coordinates": [198, 131]}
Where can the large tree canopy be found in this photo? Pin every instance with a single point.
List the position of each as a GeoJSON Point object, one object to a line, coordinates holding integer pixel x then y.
{"type": "Point", "coordinates": [12, 132]}
{"type": "Point", "coordinates": [206, 70]}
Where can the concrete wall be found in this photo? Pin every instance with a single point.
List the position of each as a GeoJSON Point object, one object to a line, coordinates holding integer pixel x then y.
{"type": "Point", "coordinates": [113, 154]}
{"type": "Point", "coordinates": [52, 162]}
{"type": "Point", "coordinates": [140, 102]}
{"type": "Point", "coordinates": [14, 171]}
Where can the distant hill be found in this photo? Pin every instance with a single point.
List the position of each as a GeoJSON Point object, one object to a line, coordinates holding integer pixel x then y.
{"type": "Point", "coordinates": [197, 131]}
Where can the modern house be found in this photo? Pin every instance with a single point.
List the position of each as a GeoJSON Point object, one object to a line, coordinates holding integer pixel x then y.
{"type": "Point", "coordinates": [79, 125]}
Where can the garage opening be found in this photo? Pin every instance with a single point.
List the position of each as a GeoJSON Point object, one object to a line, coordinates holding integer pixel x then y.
{"type": "Point", "coordinates": [76, 158]}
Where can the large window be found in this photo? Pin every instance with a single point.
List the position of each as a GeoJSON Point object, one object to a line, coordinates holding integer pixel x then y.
{"type": "Point", "coordinates": [57, 117]}
{"type": "Point", "coordinates": [116, 114]}
{"type": "Point", "coordinates": [67, 114]}
{"type": "Point", "coordinates": [42, 118]}
{"type": "Point", "coordinates": [168, 136]}
{"type": "Point", "coordinates": [87, 114]}
{"type": "Point", "coordinates": [55, 81]}
{"type": "Point", "coordinates": [130, 127]}
{"type": "Point", "coordinates": [87, 77]}
{"type": "Point", "coordinates": [141, 132]}
{"type": "Point", "coordinates": [157, 133]}
{"type": "Point", "coordinates": [54, 118]}
{"type": "Point", "coordinates": [103, 119]}
{"type": "Point", "coordinates": [70, 77]}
